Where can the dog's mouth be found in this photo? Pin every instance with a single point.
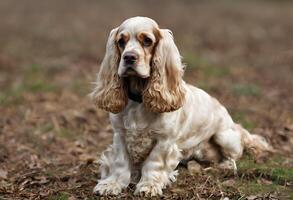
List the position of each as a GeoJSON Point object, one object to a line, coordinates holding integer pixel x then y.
{"type": "Point", "coordinates": [130, 72]}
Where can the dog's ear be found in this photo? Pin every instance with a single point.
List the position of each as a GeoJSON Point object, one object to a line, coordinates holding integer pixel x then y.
{"type": "Point", "coordinates": [110, 93]}
{"type": "Point", "coordinates": [165, 91]}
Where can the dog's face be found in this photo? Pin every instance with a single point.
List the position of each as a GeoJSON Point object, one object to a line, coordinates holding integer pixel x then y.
{"type": "Point", "coordinates": [143, 58]}
{"type": "Point", "coordinates": [136, 39]}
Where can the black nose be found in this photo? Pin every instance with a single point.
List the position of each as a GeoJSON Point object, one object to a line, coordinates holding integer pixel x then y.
{"type": "Point", "coordinates": [130, 58]}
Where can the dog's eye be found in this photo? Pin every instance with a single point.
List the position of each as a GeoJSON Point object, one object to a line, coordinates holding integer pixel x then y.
{"type": "Point", "coordinates": [121, 43]}
{"type": "Point", "coordinates": [147, 42]}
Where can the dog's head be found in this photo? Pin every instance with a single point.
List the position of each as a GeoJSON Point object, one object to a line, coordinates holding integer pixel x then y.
{"type": "Point", "coordinates": [140, 58]}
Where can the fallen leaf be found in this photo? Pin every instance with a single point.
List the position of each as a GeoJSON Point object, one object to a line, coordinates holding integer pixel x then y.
{"type": "Point", "coordinates": [3, 173]}
{"type": "Point", "coordinates": [193, 167]}
{"type": "Point", "coordinates": [252, 197]}
{"type": "Point", "coordinates": [230, 182]}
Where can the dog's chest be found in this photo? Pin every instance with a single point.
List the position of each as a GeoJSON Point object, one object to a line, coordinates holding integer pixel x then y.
{"type": "Point", "coordinates": [139, 138]}
{"type": "Point", "coordinates": [139, 145]}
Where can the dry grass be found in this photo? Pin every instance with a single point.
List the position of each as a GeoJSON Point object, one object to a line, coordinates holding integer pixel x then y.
{"type": "Point", "coordinates": [51, 134]}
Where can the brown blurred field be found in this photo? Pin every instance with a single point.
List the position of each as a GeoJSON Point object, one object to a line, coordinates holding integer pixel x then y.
{"type": "Point", "coordinates": [241, 52]}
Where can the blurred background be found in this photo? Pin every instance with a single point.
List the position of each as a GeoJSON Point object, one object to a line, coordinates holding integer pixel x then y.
{"type": "Point", "coordinates": [241, 52]}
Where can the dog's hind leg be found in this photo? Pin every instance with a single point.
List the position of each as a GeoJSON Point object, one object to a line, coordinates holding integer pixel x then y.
{"type": "Point", "coordinates": [231, 145]}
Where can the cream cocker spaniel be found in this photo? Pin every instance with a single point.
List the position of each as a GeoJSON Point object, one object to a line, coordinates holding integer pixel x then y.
{"type": "Point", "coordinates": [157, 118]}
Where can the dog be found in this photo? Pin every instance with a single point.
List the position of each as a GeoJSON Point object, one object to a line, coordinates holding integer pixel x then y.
{"type": "Point", "coordinates": [158, 120]}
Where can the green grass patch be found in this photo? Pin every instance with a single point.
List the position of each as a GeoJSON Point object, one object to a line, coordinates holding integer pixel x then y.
{"type": "Point", "coordinates": [66, 133]}
{"type": "Point", "coordinates": [80, 87]}
{"type": "Point", "coordinates": [46, 127]}
{"type": "Point", "coordinates": [34, 69]}
{"type": "Point", "coordinates": [39, 86]}
{"type": "Point", "coordinates": [246, 90]}
{"type": "Point", "coordinates": [282, 174]}
{"type": "Point", "coordinates": [43, 128]}
{"type": "Point", "coordinates": [60, 196]}
{"type": "Point", "coordinates": [194, 61]}
{"type": "Point", "coordinates": [253, 187]}
{"type": "Point", "coordinates": [216, 71]}
{"type": "Point", "coordinates": [51, 173]}
{"type": "Point", "coordinates": [34, 80]}
{"type": "Point", "coordinates": [242, 118]}
{"type": "Point", "coordinates": [203, 65]}
{"type": "Point", "coordinates": [11, 96]}
{"type": "Point", "coordinates": [70, 134]}
{"type": "Point", "coordinates": [14, 95]}
{"type": "Point", "coordinates": [272, 169]}
{"type": "Point", "coordinates": [206, 86]}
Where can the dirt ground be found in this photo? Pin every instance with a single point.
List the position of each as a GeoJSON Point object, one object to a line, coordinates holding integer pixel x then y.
{"type": "Point", "coordinates": [51, 135]}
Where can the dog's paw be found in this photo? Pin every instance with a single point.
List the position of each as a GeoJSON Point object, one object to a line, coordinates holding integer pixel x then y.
{"type": "Point", "coordinates": [229, 164]}
{"type": "Point", "coordinates": [148, 188]}
{"type": "Point", "coordinates": [108, 187]}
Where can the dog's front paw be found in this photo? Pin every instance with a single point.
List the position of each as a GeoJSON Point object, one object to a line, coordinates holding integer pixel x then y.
{"type": "Point", "coordinates": [108, 187]}
{"type": "Point", "coordinates": [148, 188]}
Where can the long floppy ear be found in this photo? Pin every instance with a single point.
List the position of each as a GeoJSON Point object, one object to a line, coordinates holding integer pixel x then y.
{"type": "Point", "coordinates": [165, 92]}
{"type": "Point", "coordinates": [109, 93]}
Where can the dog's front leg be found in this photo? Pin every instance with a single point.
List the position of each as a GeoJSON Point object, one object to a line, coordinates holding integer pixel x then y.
{"type": "Point", "coordinates": [114, 168]}
{"type": "Point", "coordinates": [158, 170]}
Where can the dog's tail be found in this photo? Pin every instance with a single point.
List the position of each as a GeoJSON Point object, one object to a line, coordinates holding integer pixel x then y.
{"type": "Point", "coordinates": [254, 143]}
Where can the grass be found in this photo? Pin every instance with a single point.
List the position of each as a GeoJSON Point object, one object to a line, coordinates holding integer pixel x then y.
{"type": "Point", "coordinates": [14, 95]}
{"type": "Point", "coordinates": [207, 73]}
{"type": "Point", "coordinates": [46, 128]}
{"type": "Point", "coordinates": [274, 169]}
{"type": "Point", "coordinates": [204, 66]}
{"type": "Point", "coordinates": [80, 87]}
{"type": "Point", "coordinates": [264, 178]}
{"type": "Point", "coordinates": [38, 79]}
{"type": "Point", "coordinates": [258, 188]}
{"type": "Point", "coordinates": [216, 71]}
{"type": "Point", "coordinates": [246, 90]}
{"type": "Point", "coordinates": [242, 117]}
{"type": "Point", "coordinates": [255, 188]}
{"type": "Point", "coordinates": [194, 61]}
{"type": "Point", "coordinates": [60, 196]}
{"type": "Point", "coordinates": [70, 134]}
{"type": "Point", "coordinates": [33, 80]}
{"type": "Point", "coordinates": [66, 133]}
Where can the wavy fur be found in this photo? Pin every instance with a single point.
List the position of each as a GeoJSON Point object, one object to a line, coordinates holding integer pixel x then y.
{"type": "Point", "coordinates": [164, 92]}
{"type": "Point", "coordinates": [110, 93]}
